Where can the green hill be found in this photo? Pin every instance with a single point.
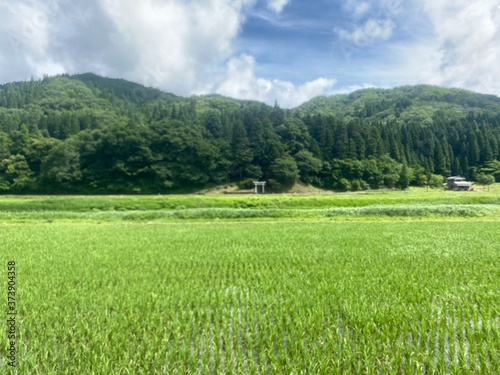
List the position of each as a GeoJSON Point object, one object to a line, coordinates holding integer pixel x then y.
{"type": "Point", "coordinates": [409, 103]}
{"type": "Point", "coordinates": [90, 134]}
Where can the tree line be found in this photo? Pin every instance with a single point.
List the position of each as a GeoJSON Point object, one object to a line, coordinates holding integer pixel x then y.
{"type": "Point", "coordinates": [89, 134]}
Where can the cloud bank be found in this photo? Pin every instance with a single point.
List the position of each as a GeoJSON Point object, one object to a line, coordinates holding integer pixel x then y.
{"type": "Point", "coordinates": [240, 82]}
{"type": "Point", "coordinates": [466, 44]}
{"type": "Point", "coordinates": [196, 46]}
{"type": "Point", "coordinates": [452, 43]}
{"type": "Point", "coordinates": [184, 47]}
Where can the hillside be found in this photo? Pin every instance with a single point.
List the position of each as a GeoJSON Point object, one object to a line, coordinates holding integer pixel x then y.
{"type": "Point", "coordinates": [90, 134]}
{"type": "Point", "coordinates": [420, 103]}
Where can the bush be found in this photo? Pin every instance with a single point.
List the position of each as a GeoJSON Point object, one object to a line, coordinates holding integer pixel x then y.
{"type": "Point", "coordinates": [343, 185]}
{"type": "Point", "coordinates": [359, 185]}
{"type": "Point", "coordinates": [436, 181]}
{"type": "Point", "coordinates": [485, 179]}
{"type": "Point", "coordinates": [285, 171]}
{"type": "Point", "coordinates": [246, 184]}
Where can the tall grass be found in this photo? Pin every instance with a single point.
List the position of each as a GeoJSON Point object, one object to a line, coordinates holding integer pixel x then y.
{"type": "Point", "coordinates": [158, 208]}
{"type": "Point", "coordinates": [489, 212]}
{"type": "Point", "coordinates": [153, 203]}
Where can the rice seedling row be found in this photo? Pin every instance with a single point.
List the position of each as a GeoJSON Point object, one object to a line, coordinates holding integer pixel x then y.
{"type": "Point", "coordinates": [257, 298]}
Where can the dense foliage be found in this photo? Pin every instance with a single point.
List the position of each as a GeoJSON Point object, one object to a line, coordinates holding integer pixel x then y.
{"type": "Point", "coordinates": [90, 134]}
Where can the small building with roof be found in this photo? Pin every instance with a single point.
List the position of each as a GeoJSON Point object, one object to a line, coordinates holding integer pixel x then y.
{"type": "Point", "coordinates": [458, 183]}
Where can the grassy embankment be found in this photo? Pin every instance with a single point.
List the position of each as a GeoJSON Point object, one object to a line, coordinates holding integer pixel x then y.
{"type": "Point", "coordinates": [377, 205]}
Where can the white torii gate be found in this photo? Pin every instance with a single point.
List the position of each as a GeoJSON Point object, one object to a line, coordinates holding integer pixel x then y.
{"type": "Point", "coordinates": [257, 184]}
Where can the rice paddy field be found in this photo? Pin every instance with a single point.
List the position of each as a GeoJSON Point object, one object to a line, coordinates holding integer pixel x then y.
{"type": "Point", "coordinates": [376, 283]}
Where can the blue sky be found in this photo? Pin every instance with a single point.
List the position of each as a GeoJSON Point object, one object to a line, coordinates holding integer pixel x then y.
{"type": "Point", "coordinates": [269, 50]}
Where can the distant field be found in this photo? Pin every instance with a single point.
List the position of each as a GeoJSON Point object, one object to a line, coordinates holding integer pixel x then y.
{"type": "Point", "coordinates": [376, 205]}
{"type": "Point", "coordinates": [100, 292]}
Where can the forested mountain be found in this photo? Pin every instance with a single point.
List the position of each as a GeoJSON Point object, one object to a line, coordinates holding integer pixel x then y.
{"type": "Point", "coordinates": [404, 104]}
{"type": "Point", "coordinates": [89, 134]}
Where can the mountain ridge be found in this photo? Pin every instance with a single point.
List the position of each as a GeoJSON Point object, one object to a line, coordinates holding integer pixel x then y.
{"type": "Point", "coordinates": [435, 96]}
{"type": "Point", "coordinates": [91, 134]}
{"type": "Point", "coordinates": [322, 104]}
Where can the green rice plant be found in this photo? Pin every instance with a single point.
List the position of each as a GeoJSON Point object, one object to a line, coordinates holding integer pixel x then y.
{"type": "Point", "coordinates": [256, 297]}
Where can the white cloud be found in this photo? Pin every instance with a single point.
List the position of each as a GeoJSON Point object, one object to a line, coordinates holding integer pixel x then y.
{"type": "Point", "coordinates": [361, 9]}
{"type": "Point", "coordinates": [241, 82]}
{"type": "Point", "coordinates": [184, 47]}
{"type": "Point", "coordinates": [174, 45]}
{"type": "Point", "coordinates": [463, 48]}
{"type": "Point", "coordinates": [372, 31]}
{"type": "Point", "coordinates": [26, 34]}
{"type": "Point", "coordinates": [277, 5]}
{"type": "Point", "coordinates": [179, 44]}
{"type": "Point", "coordinates": [451, 43]}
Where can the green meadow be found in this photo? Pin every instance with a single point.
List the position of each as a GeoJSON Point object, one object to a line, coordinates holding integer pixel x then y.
{"type": "Point", "coordinates": [372, 283]}
{"type": "Point", "coordinates": [377, 205]}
